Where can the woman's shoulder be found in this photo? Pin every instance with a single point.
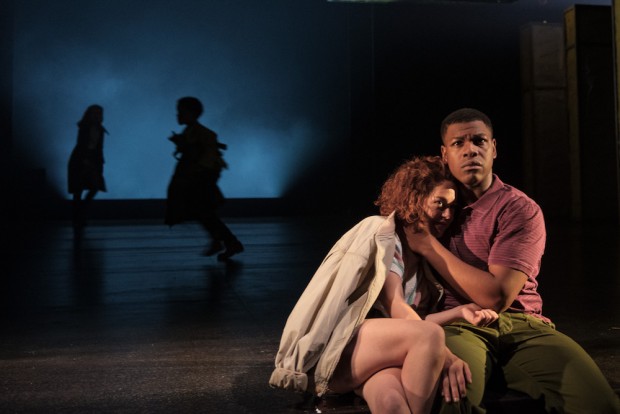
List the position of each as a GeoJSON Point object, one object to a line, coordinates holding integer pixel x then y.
{"type": "Point", "coordinates": [373, 222]}
{"type": "Point", "coordinates": [369, 228]}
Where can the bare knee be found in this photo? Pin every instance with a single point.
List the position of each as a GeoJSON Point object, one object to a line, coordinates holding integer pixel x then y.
{"type": "Point", "coordinates": [430, 334]}
{"type": "Point", "coordinates": [389, 401]}
{"type": "Point", "coordinates": [431, 340]}
{"type": "Point", "coordinates": [436, 334]}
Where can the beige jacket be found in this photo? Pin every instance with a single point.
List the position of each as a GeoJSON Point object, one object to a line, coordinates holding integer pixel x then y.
{"type": "Point", "coordinates": [333, 306]}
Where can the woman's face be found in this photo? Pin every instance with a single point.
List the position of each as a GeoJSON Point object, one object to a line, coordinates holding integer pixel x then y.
{"type": "Point", "coordinates": [439, 208]}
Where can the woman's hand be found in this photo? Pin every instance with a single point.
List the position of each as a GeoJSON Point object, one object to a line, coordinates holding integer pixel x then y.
{"type": "Point", "coordinates": [455, 377]}
{"type": "Point", "coordinates": [476, 315]}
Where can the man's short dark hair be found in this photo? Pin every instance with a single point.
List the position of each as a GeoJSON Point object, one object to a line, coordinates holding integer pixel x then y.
{"type": "Point", "coordinates": [191, 104]}
{"type": "Point", "coordinates": [464, 115]}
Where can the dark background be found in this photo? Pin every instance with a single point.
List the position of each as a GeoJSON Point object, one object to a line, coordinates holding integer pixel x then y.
{"type": "Point", "coordinates": [318, 101]}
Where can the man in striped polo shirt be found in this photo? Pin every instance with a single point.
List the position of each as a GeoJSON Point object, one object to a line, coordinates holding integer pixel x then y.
{"type": "Point", "coordinates": [492, 256]}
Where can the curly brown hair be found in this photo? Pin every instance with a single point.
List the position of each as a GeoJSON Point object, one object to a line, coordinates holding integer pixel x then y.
{"type": "Point", "coordinates": [405, 192]}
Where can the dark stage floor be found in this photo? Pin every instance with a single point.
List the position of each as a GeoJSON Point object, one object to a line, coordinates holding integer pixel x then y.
{"type": "Point", "coordinates": [134, 319]}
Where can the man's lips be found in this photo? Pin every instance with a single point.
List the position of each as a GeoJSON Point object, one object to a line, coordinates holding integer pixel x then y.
{"type": "Point", "coordinates": [472, 164]}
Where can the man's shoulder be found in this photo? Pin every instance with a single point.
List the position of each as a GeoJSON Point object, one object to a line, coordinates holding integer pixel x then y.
{"type": "Point", "coordinates": [205, 132]}
{"type": "Point", "coordinates": [512, 196]}
{"type": "Point", "coordinates": [515, 206]}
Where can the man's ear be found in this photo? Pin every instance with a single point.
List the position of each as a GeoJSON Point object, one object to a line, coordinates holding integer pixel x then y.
{"type": "Point", "coordinates": [443, 154]}
{"type": "Point", "coordinates": [494, 148]}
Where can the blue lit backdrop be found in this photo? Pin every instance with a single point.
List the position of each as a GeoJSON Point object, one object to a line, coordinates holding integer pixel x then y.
{"type": "Point", "coordinates": [285, 84]}
{"type": "Point", "coordinates": [263, 71]}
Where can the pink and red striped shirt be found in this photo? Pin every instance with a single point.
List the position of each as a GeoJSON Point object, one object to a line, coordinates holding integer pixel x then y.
{"type": "Point", "coordinates": [503, 227]}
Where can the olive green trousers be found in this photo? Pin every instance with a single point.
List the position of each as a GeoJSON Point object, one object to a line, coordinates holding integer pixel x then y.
{"type": "Point", "coordinates": [523, 353]}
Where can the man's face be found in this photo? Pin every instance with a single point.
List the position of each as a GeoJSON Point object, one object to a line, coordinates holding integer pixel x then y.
{"type": "Point", "coordinates": [469, 150]}
{"type": "Point", "coordinates": [184, 116]}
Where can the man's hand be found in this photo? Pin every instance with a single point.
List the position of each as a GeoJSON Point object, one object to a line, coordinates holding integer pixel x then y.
{"type": "Point", "coordinates": [418, 240]}
{"type": "Point", "coordinates": [456, 375]}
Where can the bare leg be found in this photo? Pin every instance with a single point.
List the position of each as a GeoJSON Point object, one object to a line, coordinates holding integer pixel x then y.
{"type": "Point", "coordinates": [416, 346]}
{"type": "Point", "coordinates": [384, 393]}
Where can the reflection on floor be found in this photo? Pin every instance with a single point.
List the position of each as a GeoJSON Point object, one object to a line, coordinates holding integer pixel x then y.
{"type": "Point", "coordinates": [134, 319]}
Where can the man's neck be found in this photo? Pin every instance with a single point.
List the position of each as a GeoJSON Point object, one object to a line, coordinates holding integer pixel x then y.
{"type": "Point", "coordinates": [468, 194]}
{"type": "Point", "coordinates": [472, 193]}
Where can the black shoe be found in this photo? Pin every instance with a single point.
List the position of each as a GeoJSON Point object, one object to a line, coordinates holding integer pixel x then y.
{"type": "Point", "coordinates": [232, 249]}
{"type": "Point", "coordinates": [215, 247]}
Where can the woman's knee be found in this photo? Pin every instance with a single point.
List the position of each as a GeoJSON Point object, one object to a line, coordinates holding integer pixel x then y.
{"type": "Point", "coordinates": [423, 329]}
{"type": "Point", "coordinates": [424, 338]}
{"type": "Point", "coordinates": [431, 335]}
{"type": "Point", "coordinates": [390, 400]}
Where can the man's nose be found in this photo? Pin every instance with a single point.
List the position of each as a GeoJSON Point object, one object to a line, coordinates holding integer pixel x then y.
{"type": "Point", "coordinates": [470, 149]}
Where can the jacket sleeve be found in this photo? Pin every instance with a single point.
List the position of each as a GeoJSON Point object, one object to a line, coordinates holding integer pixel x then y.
{"type": "Point", "coordinates": [321, 307]}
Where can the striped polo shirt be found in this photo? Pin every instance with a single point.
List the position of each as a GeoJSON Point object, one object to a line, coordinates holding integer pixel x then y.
{"type": "Point", "coordinates": [503, 227]}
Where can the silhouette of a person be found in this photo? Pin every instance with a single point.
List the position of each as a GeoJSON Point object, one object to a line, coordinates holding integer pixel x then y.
{"type": "Point", "coordinates": [193, 192]}
{"type": "Point", "coordinates": [86, 164]}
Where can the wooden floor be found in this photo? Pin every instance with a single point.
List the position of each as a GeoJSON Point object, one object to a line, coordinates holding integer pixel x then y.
{"type": "Point", "coordinates": [134, 319]}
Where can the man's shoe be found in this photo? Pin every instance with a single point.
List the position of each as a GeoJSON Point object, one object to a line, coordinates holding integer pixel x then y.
{"type": "Point", "coordinates": [215, 247]}
{"type": "Point", "coordinates": [234, 248]}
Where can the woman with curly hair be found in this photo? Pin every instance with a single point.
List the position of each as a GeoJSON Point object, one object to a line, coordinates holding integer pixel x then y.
{"type": "Point", "coordinates": [365, 321]}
